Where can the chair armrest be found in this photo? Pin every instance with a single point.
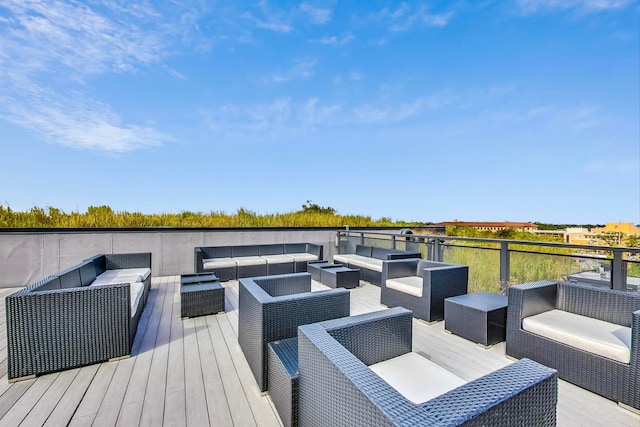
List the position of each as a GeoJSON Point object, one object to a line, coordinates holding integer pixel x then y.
{"type": "Point", "coordinates": [392, 269]}
{"type": "Point", "coordinates": [445, 281]}
{"type": "Point", "coordinates": [525, 390]}
{"type": "Point", "coordinates": [529, 299]}
{"type": "Point", "coordinates": [199, 256]}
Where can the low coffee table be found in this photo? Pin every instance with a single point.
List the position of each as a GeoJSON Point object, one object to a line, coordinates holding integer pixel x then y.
{"type": "Point", "coordinates": [200, 294]}
{"type": "Point", "coordinates": [314, 267]}
{"type": "Point", "coordinates": [340, 277]}
{"type": "Point", "coordinates": [480, 317]}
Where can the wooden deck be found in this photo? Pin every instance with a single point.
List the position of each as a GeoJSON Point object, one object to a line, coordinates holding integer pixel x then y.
{"type": "Point", "coordinates": [192, 372]}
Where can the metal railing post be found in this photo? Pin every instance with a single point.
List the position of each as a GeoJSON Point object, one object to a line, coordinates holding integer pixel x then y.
{"type": "Point", "coordinates": [362, 239]}
{"type": "Point", "coordinates": [618, 272]}
{"type": "Point", "coordinates": [437, 250]}
{"type": "Point", "coordinates": [393, 242]}
{"type": "Point", "coordinates": [505, 267]}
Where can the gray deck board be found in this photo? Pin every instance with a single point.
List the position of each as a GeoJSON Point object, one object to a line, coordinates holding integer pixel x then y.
{"type": "Point", "coordinates": [193, 372]}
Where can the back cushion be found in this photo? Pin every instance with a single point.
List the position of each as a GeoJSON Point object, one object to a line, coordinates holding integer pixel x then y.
{"type": "Point", "coordinates": [272, 249]}
{"type": "Point", "coordinates": [380, 253]}
{"type": "Point", "coordinates": [295, 248]}
{"type": "Point", "coordinates": [602, 304]}
{"type": "Point", "coordinates": [250, 250]}
{"type": "Point", "coordinates": [70, 278]}
{"type": "Point", "coordinates": [363, 250]}
{"type": "Point", "coordinates": [217, 252]}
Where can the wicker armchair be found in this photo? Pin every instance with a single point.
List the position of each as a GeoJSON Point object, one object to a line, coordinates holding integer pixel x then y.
{"type": "Point", "coordinates": [272, 307]}
{"type": "Point", "coordinates": [422, 286]}
{"type": "Point", "coordinates": [610, 378]}
{"type": "Point", "coordinates": [337, 387]}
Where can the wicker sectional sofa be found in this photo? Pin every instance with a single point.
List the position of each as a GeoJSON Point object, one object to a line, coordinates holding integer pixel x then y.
{"type": "Point", "coordinates": [579, 330]}
{"type": "Point", "coordinates": [235, 262]}
{"type": "Point", "coordinates": [86, 314]}
{"type": "Point", "coordinates": [369, 259]}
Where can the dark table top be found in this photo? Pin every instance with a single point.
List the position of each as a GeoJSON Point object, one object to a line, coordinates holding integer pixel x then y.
{"type": "Point", "coordinates": [484, 301]}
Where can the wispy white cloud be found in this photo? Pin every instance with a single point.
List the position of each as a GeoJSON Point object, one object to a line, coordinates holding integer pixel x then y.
{"type": "Point", "coordinates": [317, 15]}
{"type": "Point", "coordinates": [74, 120]}
{"type": "Point", "coordinates": [301, 69]}
{"type": "Point", "coordinates": [335, 40]}
{"type": "Point", "coordinates": [51, 48]}
{"type": "Point", "coordinates": [582, 6]}
{"type": "Point", "coordinates": [580, 117]}
{"type": "Point", "coordinates": [374, 113]}
{"type": "Point", "coordinates": [272, 23]}
{"type": "Point", "coordinates": [280, 118]}
{"type": "Point", "coordinates": [405, 16]}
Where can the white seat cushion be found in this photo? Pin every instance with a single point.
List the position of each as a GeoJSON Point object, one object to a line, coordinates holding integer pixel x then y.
{"type": "Point", "coordinates": [142, 272]}
{"type": "Point", "coordinates": [303, 256]}
{"type": "Point", "coordinates": [586, 333]}
{"type": "Point", "coordinates": [416, 378]}
{"type": "Point", "coordinates": [344, 258]}
{"type": "Point", "coordinates": [136, 289]}
{"type": "Point", "coordinates": [411, 285]}
{"type": "Point", "coordinates": [211, 263]}
{"type": "Point", "coordinates": [112, 279]}
{"type": "Point", "coordinates": [277, 259]}
{"type": "Point", "coordinates": [250, 260]}
{"type": "Point", "coordinates": [373, 264]}
{"type": "Point", "coordinates": [357, 260]}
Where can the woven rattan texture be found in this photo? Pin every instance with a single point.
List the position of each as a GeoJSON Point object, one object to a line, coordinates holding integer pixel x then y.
{"type": "Point", "coordinates": [338, 389]}
{"type": "Point", "coordinates": [283, 379]}
{"type": "Point", "coordinates": [61, 323]}
{"type": "Point", "coordinates": [439, 281]}
{"type": "Point", "coordinates": [202, 302]}
{"type": "Point", "coordinates": [612, 379]}
{"type": "Point", "coordinates": [263, 318]}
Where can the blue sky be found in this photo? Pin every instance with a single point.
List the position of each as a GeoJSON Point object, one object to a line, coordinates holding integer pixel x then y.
{"type": "Point", "coordinates": [524, 110]}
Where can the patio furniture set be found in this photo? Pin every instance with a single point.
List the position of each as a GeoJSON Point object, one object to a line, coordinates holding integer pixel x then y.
{"type": "Point", "coordinates": [322, 366]}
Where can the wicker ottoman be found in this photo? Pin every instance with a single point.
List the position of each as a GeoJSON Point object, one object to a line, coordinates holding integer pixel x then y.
{"type": "Point", "coordinates": [340, 277]}
{"type": "Point", "coordinates": [314, 267]}
{"type": "Point", "coordinates": [200, 295]}
{"type": "Point", "coordinates": [480, 317]}
{"type": "Point", "coordinates": [283, 379]}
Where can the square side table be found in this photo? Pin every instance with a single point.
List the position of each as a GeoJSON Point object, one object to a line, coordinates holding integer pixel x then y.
{"type": "Point", "coordinates": [480, 317]}
{"type": "Point", "coordinates": [340, 277]}
{"type": "Point", "coordinates": [200, 295]}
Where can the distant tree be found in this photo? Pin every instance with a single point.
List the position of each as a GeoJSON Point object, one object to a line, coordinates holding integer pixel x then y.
{"type": "Point", "coordinates": [505, 233]}
{"type": "Point", "coordinates": [315, 208]}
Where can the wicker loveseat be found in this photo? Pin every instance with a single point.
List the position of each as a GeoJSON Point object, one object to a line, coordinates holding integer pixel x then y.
{"type": "Point", "coordinates": [339, 387]}
{"type": "Point", "coordinates": [234, 262]}
{"type": "Point", "coordinates": [271, 308]}
{"type": "Point", "coordinates": [369, 259]}
{"type": "Point", "coordinates": [86, 314]}
{"type": "Point", "coordinates": [422, 286]}
{"type": "Point", "coordinates": [590, 335]}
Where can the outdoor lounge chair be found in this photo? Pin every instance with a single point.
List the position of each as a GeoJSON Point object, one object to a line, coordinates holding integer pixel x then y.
{"type": "Point", "coordinates": [272, 307]}
{"type": "Point", "coordinates": [342, 364]}
{"type": "Point", "coordinates": [590, 335]}
{"type": "Point", "coordinates": [422, 286]}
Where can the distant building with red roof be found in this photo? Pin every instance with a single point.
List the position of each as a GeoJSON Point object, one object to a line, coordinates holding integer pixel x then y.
{"type": "Point", "coordinates": [491, 226]}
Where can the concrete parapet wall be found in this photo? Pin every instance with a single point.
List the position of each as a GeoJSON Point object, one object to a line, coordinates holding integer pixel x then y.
{"type": "Point", "coordinates": [28, 256]}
